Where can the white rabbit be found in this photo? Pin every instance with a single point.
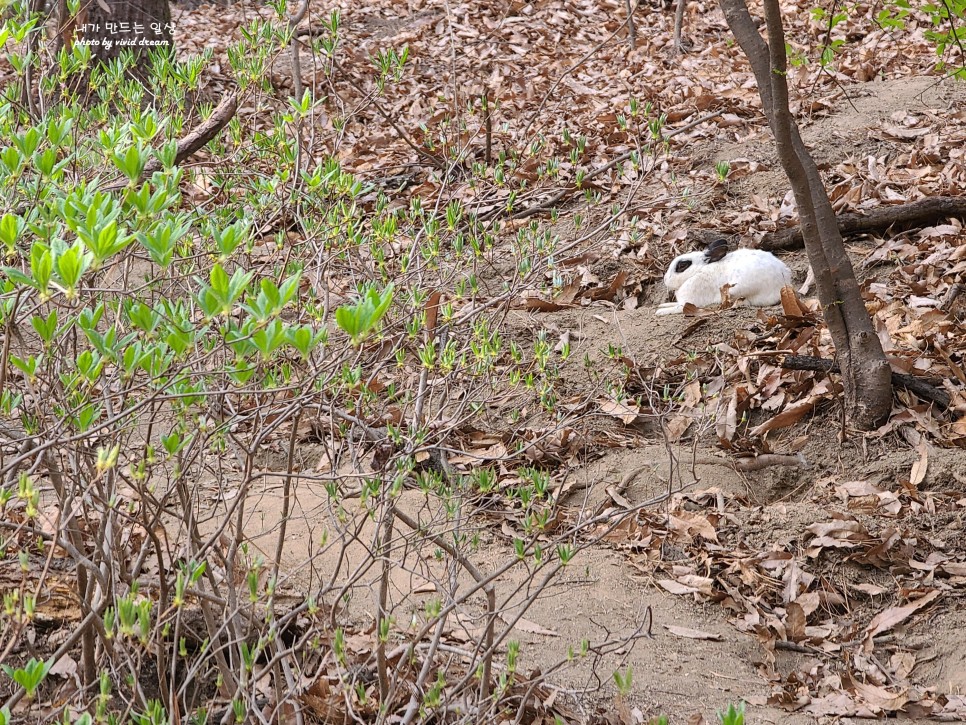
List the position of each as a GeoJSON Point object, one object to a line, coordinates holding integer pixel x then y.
{"type": "Point", "coordinates": [755, 276]}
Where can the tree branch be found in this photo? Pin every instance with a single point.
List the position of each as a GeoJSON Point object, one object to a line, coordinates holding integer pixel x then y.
{"type": "Point", "coordinates": [193, 141]}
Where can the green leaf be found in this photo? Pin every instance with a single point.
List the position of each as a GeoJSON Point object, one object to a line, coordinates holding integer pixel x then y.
{"type": "Point", "coordinates": [11, 227]}
{"type": "Point", "coordinates": [70, 265]}
{"type": "Point", "coordinates": [132, 162]}
{"type": "Point", "coordinates": [30, 675]}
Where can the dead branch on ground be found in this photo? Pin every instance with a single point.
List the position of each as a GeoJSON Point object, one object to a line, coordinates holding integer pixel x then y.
{"type": "Point", "coordinates": [913, 384]}
{"type": "Point", "coordinates": [193, 141]}
{"type": "Point", "coordinates": [912, 214]}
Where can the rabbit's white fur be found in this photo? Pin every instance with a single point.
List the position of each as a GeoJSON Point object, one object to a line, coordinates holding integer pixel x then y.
{"type": "Point", "coordinates": [755, 276]}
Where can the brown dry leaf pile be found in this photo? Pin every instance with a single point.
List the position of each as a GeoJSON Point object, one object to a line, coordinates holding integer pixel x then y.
{"type": "Point", "coordinates": [782, 597]}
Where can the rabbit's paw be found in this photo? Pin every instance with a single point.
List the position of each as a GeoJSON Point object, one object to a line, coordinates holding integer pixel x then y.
{"type": "Point", "coordinates": [669, 308]}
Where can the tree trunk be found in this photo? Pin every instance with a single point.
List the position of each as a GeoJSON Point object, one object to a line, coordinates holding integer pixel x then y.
{"type": "Point", "coordinates": [866, 373]}
{"type": "Point", "coordinates": [111, 26]}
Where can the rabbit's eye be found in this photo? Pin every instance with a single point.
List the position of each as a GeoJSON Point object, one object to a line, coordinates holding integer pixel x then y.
{"type": "Point", "coordinates": [682, 265]}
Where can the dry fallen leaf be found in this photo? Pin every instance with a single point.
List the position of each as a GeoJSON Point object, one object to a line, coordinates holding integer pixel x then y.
{"type": "Point", "coordinates": [691, 524]}
{"type": "Point", "coordinates": [918, 473]}
{"type": "Point", "coordinates": [790, 305]}
{"type": "Point", "coordinates": [836, 704]}
{"type": "Point", "coordinates": [795, 622]}
{"type": "Point", "coordinates": [889, 618]}
{"type": "Point", "coordinates": [879, 699]}
{"type": "Point", "coordinates": [626, 412]}
{"type": "Point", "coordinates": [688, 584]}
{"type": "Point", "coordinates": [789, 416]}
{"type": "Point", "coordinates": [692, 633]}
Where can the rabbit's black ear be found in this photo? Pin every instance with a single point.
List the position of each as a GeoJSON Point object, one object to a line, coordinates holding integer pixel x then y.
{"type": "Point", "coordinates": [716, 250]}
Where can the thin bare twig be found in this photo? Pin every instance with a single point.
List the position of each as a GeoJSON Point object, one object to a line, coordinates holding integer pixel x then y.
{"type": "Point", "coordinates": [423, 153]}
{"type": "Point", "coordinates": [488, 124]}
{"type": "Point", "coordinates": [484, 582]}
{"type": "Point", "coordinates": [547, 204]}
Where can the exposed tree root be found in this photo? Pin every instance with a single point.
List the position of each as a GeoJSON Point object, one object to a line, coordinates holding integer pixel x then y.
{"type": "Point", "coordinates": [879, 219]}
{"type": "Point", "coordinates": [913, 384]}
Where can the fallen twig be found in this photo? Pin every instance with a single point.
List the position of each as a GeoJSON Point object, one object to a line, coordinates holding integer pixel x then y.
{"type": "Point", "coordinates": [951, 294]}
{"type": "Point", "coordinates": [194, 140]}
